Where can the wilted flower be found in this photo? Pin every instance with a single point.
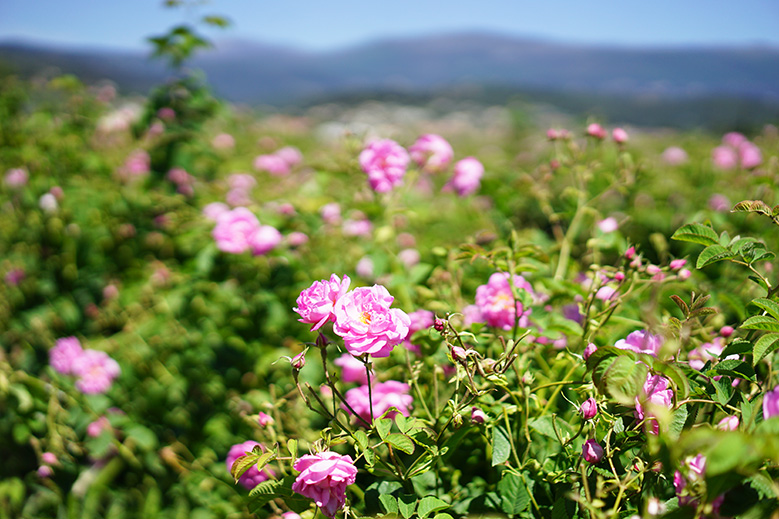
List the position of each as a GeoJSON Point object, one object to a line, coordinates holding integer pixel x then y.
{"type": "Point", "coordinates": [592, 452]}
{"type": "Point", "coordinates": [431, 152]}
{"type": "Point", "coordinates": [323, 478]}
{"type": "Point", "coordinates": [252, 477]}
{"type": "Point", "coordinates": [364, 319]}
{"type": "Point", "coordinates": [467, 176]}
{"type": "Point", "coordinates": [385, 395]}
{"type": "Point", "coordinates": [385, 162]}
{"type": "Point", "coordinates": [316, 303]}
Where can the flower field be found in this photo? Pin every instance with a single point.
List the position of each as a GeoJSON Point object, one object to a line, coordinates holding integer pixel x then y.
{"type": "Point", "coordinates": [380, 311]}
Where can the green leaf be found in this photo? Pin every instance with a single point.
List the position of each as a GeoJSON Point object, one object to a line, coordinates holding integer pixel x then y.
{"type": "Point", "coordinates": [696, 233]}
{"type": "Point", "coordinates": [401, 441]}
{"type": "Point", "coordinates": [265, 458]}
{"type": "Point", "coordinates": [546, 426]}
{"type": "Point", "coordinates": [389, 503]}
{"type": "Point", "coordinates": [242, 464]}
{"type": "Point", "coordinates": [752, 206]}
{"type": "Point", "coordinates": [362, 439]}
{"type": "Point", "coordinates": [429, 504]}
{"type": "Point", "coordinates": [501, 446]}
{"type": "Point", "coordinates": [673, 373]}
{"type": "Point", "coordinates": [383, 427]}
{"type": "Point", "coordinates": [267, 487]}
{"type": "Point", "coordinates": [620, 376]}
{"type": "Point", "coordinates": [407, 503]}
{"type": "Point", "coordinates": [513, 493]}
{"type": "Point", "coordinates": [761, 322]}
{"type": "Point", "coordinates": [678, 419]}
{"type": "Point", "coordinates": [723, 390]}
{"type": "Point", "coordinates": [737, 347]}
{"type": "Point", "coordinates": [712, 254]}
{"type": "Point", "coordinates": [292, 447]}
{"type": "Point", "coordinates": [767, 305]}
{"type": "Point", "coordinates": [765, 345]}
{"type": "Point", "coordinates": [735, 368]}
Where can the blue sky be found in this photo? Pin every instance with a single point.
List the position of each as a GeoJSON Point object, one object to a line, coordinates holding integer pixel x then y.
{"type": "Point", "coordinates": [331, 24]}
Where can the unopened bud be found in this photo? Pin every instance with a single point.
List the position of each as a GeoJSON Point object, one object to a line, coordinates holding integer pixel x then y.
{"type": "Point", "coordinates": [439, 324]}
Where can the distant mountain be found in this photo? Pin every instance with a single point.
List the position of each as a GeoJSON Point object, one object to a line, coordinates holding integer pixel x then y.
{"type": "Point", "coordinates": [252, 72]}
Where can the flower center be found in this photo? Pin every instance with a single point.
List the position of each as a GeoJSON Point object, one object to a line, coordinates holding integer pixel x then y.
{"type": "Point", "coordinates": [365, 317]}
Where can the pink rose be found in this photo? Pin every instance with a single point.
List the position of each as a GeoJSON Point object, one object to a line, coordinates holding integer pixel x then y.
{"type": "Point", "coordinates": [385, 395]}
{"type": "Point", "coordinates": [771, 404]}
{"type": "Point", "coordinates": [420, 320]}
{"type": "Point", "coordinates": [596, 130]}
{"type": "Point", "coordinates": [589, 350]}
{"type": "Point", "coordinates": [16, 178]}
{"type": "Point", "coordinates": [467, 176]}
{"type": "Point", "coordinates": [273, 164]}
{"type": "Point", "coordinates": [64, 353]}
{"type": "Point", "coordinates": [431, 153]}
{"type": "Point", "coordinates": [291, 155]}
{"type": "Point", "coordinates": [674, 156]}
{"type": "Point", "coordinates": [316, 303]}
{"type": "Point", "coordinates": [641, 341]}
{"type": "Point", "coordinates": [223, 141]}
{"type": "Point", "coordinates": [214, 210]}
{"type": "Point", "coordinates": [592, 452]}
{"type": "Point", "coordinates": [331, 213]}
{"type": "Point", "coordinates": [656, 391]}
{"type": "Point", "coordinates": [323, 478]}
{"type": "Point", "coordinates": [234, 229]}
{"type": "Point", "coordinates": [733, 139]}
{"type": "Point", "coordinates": [496, 303]}
{"type": "Point", "coordinates": [588, 409]}
{"type": "Point", "coordinates": [729, 423]}
{"type": "Point", "coordinates": [252, 477]}
{"type": "Point", "coordinates": [95, 370]}
{"type": "Point", "coordinates": [619, 135]}
{"type": "Point", "coordinates": [364, 319]}
{"type": "Point", "coordinates": [243, 181]}
{"type": "Point", "coordinates": [724, 157]}
{"type": "Point", "coordinates": [385, 162]}
{"type": "Point", "coordinates": [749, 155]}
{"type": "Point", "coordinates": [264, 239]}
{"type": "Point", "coordinates": [352, 370]}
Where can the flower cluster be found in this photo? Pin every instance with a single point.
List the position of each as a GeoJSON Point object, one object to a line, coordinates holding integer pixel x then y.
{"type": "Point", "coordinates": [94, 369]}
{"type": "Point", "coordinates": [736, 151]}
{"type": "Point", "coordinates": [323, 478]}
{"type": "Point", "coordinates": [239, 230]}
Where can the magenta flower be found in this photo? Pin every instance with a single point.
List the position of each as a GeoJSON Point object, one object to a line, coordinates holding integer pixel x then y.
{"type": "Point", "coordinates": [589, 409]}
{"type": "Point", "coordinates": [94, 429]}
{"type": "Point", "coordinates": [264, 239]}
{"type": "Point", "coordinates": [749, 155]}
{"type": "Point", "coordinates": [95, 370]}
{"type": "Point", "coordinates": [641, 341]}
{"type": "Point", "coordinates": [592, 452]}
{"type": "Point", "coordinates": [385, 162]}
{"type": "Point", "coordinates": [589, 350]}
{"type": "Point", "coordinates": [352, 370]}
{"type": "Point", "coordinates": [252, 477]}
{"type": "Point", "coordinates": [733, 139]}
{"type": "Point", "coordinates": [496, 304]}
{"type": "Point", "coordinates": [619, 135]}
{"type": "Point", "coordinates": [656, 392]}
{"type": "Point", "coordinates": [432, 153]}
{"type": "Point", "coordinates": [234, 229]}
{"type": "Point", "coordinates": [264, 419]}
{"type": "Point", "coordinates": [706, 352]}
{"type": "Point", "coordinates": [385, 395]}
{"type": "Point", "coordinates": [695, 468]}
{"type": "Point", "coordinates": [273, 164]}
{"type": "Point", "coordinates": [316, 303]}
{"type": "Point", "coordinates": [467, 176]}
{"type": "Point", "coordinates": [64, 353]}
{"type": "Point", "coordinates": [477, 415]}
{"type": "Point", "coordinates": [323, 478]}
{"type": "Point", "coordinates": [49, 458]}
{"type": "Point", "coordinates": [364, 319]}
{"type": "Point", "coordinates": [724, 157]}
{"type": "Point", "coordinates": [771, 404]}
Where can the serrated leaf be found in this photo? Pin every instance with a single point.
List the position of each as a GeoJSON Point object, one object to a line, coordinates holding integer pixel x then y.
{"type": "Point", "coordinates": [712, 254]}
{"type": "Point", "coordinates": [501, 446]}
{"type": "Point", "coordinates": [752, 206]}
{"type": "Point", "coordinates": [267, 487]}
{"type": "Point", "coordinates": [681, 304]}
{"type": "Point", "coordinates": [737, 347]}
{"type": "Point", "coordinates": [735, 368]}
{"type": "Point", "coordinates": [764, 485]}
{"type": "Point", "coordinates": [765, 345]}
{"type": "Point", "coordinates": [242, 464]}
{"type": "Point", "coordinates": [265, 459]}
{"type": "Point", "coordinates": [429, 504]}
{"type": "Point", "coordinates": [513, 493]}
{"type": "Point", "coordinates": [761, 322]}
{"type": "Point", "coordinates": [696, 233]}
{"type": "Point", "coordinates": [767, 305]}
{"type": "Point", "coordinates": [401, 442]}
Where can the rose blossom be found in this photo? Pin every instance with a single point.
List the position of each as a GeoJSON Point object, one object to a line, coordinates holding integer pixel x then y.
{"type": "Point", "coordinates": [608, 225]}
{"type": "Point", "coordinates": [316, 303]}
{"type": "Point", "coordinates": [719, 202]}
{"type": "Point", "coordinates": [264, 239]}
{"type": "Point", "coordinates": [331, 213]}
{"type": "Point", "coordinates": [467, 176]}
{"type": "Point", "coordinates": [323, 478]}
{"type": "Point", "coordinates": [733, 139]}
{"type": "Point", "coordinates": [273, 164]}
{"type": "Point", "coordinates": [364, 319]}
{"type": "Point", "coordinates": [656, 391]}
{"type": "Point", "coordinates": [214, 210]}
{"type": "Point", "coordinates": [352, 370]}
{"type": "Point", "coordinates": [64, 353]}
{"type": "Point", "coordinates": [384, 394]}
{"type": "Point", "coordinates": [223, 141]}
{"type": "Point", "coordinates": [252, 477]}
{"type": "Point", "coordinates": [706, 352]}
{"type": "Point", "coordinates": [592, 452]}
{"type": "Point", "coordinates": [619, 135]}
{"type": "Point", "coordinates": [588, 409]}
{"type": "Point", "coordinates": [290, 154]}
{"type": "Point", "coordinates": [589, 350]}
{"type": "Point", "coordinates": [749, 155]}
{"type": "Point", "coordinates": [431, 152]}
{"type": "Point", "coordinates": [596, 130]}
{"type": "Point", "coordinates": [98, 426]}
{"type": "Point", "coordinates": [674, 156]}
{"type": "Point", "coordinates": [724, 157]}
{"type": "Point", "coordinates": [420, 320]}
{"type": "Point", "coordinates": [49, 458]}
{"type": "Point", "coordinates": [264, 419]}
{"type": "Point", "coordinates": [95, 371]}
{"type": "Point", "coordinates": [243, 181]}
{"type": "Point", "coordinates": [16, 178]}
{"type": "Point", "coordinates": [641, 341]}
{"type": "Point", "coordinates": [496, 304]}
{"type": "Point", "coordinates": [385, 162]}
{"type": "Point", "coordinates": [233, 230]}
{"type": "Point", "coordinates": [297, 238]}
{"type": "Point", "coordinates": [729, 423]}
{"type": "Point", "coordinates": [771, 404]}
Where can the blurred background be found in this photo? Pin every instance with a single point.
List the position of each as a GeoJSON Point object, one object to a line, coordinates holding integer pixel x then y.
{"type": "Point", "coordinates": [663, 63]}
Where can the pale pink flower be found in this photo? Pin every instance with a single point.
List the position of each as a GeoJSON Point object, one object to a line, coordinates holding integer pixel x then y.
{"type": "Point", "coordinates": [136, 165]}
{"type": "Point", "coordinates": [606, 293]}
{"type": "Point", "coordinates": [467, 176]}
{"type": "Point", "coordinates": [749, 155]}
{"type": "Point", "coordinates": [242, 181]}
{"type": "Point", "coordinates": [364, 319]}
{"type": "Point", "coordinates": [684, 274]}
{"type": "Point", "coordinates": [496, 303]}
{"type": "Point", "coordinates": [252, 477]}
{"type": "Point", "coordinates": [264, 239]}
{"type": "Point", "coordinates": [223, 141]}
{"type": "Point", "coordinates": [290, 515]}
{"type": "Point", "coordinates": [719, 203]}
{"type": "Point", "coordinates": [48, 203]}
{"type": "Point", "coordinates": [674, 156]}
{"type": "Point", "coordinates": [432, 153]}
{"type": "Point", "coordinates": [179, 176]}
{"type": "Point", "coordinates": [592, 452]}
{"type": "Point", "coordinates": [677, 264]}
{"type": "Point", "coordinates": [49, 458]}
{"type": "Point", "coordinates": [364, 267]}
{"type": "Point", "coordinates": [352, 370]}
{"type": "Point", "coordinates": [291, 155]}
{"type": "Point", "coordinates": [608, 225]}
{"type": "Point", "coordinates": [619, 135]}
{"type": "Point", "coordinates": [552, 134]}
{"type": "Point", "coordinates": [44, 471]}
{"type": "Point", "coordinates": [385, 162]}
{"type": "Point", "coordinates": [641, 341]}
{"type": "Point", "coordinates": [657, 392]}
{"type": "Point", "coordinates": [272, 164]}
{"type": "Point", "coordinates": [234, 229]}
{"type": "Point", "coordinates": [64, 353]}
{"type": "Point", "coordinates": [94, 429]}
{"type": "Point", "coordinates": [95, 370]}
{"type": "Point", "coordinates": [16, 178]}
{"type": "Point", "coordinates": [238, 198]}
{"type": "Point", "coordinates": [733, 139]}
{"type": "Point", "coordinates": [409, 257]}
{"type": "Point", "coordinates": [360, 225]}
{"type": "Point", "coordinates": [264, 420]}
{"type": "Point", "coordinates": [385, 395]}
{"type": "Point", "coordinates": [729, 423]}
{"type": "Point", "coordinates": [724, 157]}
{"type": "Point", "coordinates": [331, 213]}
{"type": "Point", "coordinates": [706, 352]}
{"type": "Point", "coordinates": [596, 130]}
{"type": "Point", "coordinates": [296, 239]}
{"type": "Point", "coordinates": [214, 210]}
{"type": "Point", "coordinates": [323, 478]}
{"type": "Point", "coordinates": [316, 303]}
{"type": "Point", "coordinates": [771, 403]}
